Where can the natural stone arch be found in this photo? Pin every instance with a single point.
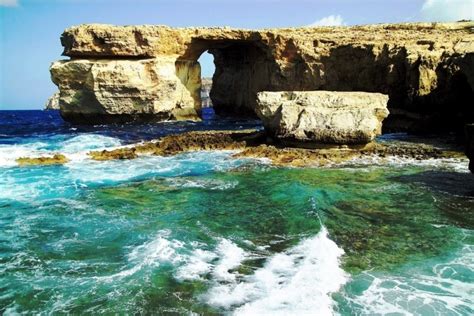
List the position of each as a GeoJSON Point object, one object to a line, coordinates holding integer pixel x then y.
{"type": "Point", "coordinates": [243, 68]}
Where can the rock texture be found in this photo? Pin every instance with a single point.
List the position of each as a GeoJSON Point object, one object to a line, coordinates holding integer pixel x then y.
{"type": "Point", "coordinates": [53, 102]}
{"type": "Point", "coordinates": [470, 145]}
{"type": "Point", "coordinates": [323, 116]}
{"type": "Point", "coordinates": [103, 90]}
{"type": "Point", "coordinates": [426, 69]}
{"type": "Point", "coordinates": [250, 143]}
{"type": "Point", "coordinates": [57, 159]}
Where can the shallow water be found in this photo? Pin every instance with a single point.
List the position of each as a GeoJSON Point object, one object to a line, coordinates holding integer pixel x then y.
{"type": "Point", "coordinates": [206, 233]}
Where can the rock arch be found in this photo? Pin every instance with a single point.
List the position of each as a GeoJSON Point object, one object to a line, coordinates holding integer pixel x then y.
{"type": "Point", "coordinates": [137, 72]}
{"type": "Point", "coordinates": [243, 68]}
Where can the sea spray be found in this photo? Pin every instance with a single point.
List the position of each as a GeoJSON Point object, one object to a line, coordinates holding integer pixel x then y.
{"type": "Point", "coordinates": [297, 281]}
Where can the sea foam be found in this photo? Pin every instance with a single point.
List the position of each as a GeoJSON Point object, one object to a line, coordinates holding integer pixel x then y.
{"type": "Point", "coordinates": [443, 289]}
{"type": "Point", "coordinates": [297, 281]}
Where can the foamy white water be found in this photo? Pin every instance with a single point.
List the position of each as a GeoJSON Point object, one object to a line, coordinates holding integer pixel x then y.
{"type": "Point", "coordinates": [84, 172]}
{"type": "Point", "coordinates": [75, 148]}
{"type": "Point", "coordinates": [452, 164]}
{"type": "Point", "coordinates": [444, 289]}
{"type": "Point", "coordinates": [158, 250]}
{"type": "Point", "coordinates": [298, 281]}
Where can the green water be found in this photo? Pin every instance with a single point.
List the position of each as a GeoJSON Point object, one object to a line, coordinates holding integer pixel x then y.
{"type": "Point", "coordinates": [155, 245]}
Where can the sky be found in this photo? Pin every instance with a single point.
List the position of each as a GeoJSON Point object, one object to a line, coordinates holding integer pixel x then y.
{"type": "Point", "coordinates": [30, 29]}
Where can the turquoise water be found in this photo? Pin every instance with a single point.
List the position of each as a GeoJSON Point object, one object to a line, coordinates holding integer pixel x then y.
{"type": "Point", "coordinates": [206, 233]}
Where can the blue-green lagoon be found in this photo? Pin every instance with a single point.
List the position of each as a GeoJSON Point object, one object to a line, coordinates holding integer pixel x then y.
{"type": "Point", "coordinates": [206, 233]}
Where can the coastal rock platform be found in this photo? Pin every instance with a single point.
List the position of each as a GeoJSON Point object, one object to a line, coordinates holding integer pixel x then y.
{"type": "Point", "coordinates": [253, 144]}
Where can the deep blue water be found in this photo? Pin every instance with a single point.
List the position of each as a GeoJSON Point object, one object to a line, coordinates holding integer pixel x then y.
{"type": "Point", "coordinates": [18, 126]}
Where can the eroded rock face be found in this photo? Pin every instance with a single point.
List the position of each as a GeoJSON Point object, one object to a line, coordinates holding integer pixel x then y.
{"type": "Point", "coordinates": [323, 116]}
{"type": "Point", "coordinates": [53, 102]}
{"type": "Point", "coordinates": [426, 69]}
{"type": "Point", "coordinates": [103, 90]}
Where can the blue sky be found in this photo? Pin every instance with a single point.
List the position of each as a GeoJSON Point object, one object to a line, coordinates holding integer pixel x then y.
{"type": "Point", "coordinates": [30, 29]}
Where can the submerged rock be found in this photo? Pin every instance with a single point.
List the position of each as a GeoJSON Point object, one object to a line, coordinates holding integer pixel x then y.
{"type": "Point", "coordinates": [323, 116]}
{"type": "Point", "coordinates": [57, 159]}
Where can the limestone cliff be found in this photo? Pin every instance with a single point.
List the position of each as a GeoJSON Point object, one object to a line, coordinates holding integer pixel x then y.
{"type": "Point", "coordinates": [427, 69]}
{"type": "Point", "coordinates": [53, 102]}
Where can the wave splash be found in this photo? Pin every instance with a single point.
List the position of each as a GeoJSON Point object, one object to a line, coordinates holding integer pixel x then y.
{"type": "Point", "coordinates": [75, 148]}
{"type": "Point", "coordinates": [298, 281]}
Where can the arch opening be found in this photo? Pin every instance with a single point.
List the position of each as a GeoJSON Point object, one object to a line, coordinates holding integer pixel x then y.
{"type": "Point", "coordinates": [206, 60]}
{"type": "Point", "coordinates": [242, 69]}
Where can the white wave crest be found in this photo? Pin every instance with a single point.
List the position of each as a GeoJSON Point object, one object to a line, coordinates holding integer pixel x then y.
{"type": "Point", "coordinates": [209, 184]}
{"type": "Point", "coordinates": [87, 142]}
{"type": "Point", "coordinates": [9, 153]}
{"type": "Point", "coordinates": [298, 281]}
{"type": "Point", "coordinates": [75, 148]}
{"type": "Point", "coordinates": [150, 254]}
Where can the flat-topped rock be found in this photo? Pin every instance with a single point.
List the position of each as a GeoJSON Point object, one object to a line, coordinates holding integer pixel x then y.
{"type": "Point", "coordinates": [323, 116]}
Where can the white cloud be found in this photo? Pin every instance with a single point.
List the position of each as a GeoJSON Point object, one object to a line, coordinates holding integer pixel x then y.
{"type": "Point", "coordinates": [447, 10]}
{"type": "Point", "coordinates": [8, 3]}
{"type": "Point", "coordinates": [331, 20]}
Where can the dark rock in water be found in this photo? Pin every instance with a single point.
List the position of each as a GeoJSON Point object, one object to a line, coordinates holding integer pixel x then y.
{"type": "Point", "coordinates": [470, 145]}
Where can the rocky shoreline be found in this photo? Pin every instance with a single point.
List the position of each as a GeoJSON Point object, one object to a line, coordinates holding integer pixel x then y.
{"type": "Point", "coordinates": [256, 144]}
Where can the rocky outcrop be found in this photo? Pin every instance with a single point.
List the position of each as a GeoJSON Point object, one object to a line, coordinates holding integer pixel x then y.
{"type": "Point", "coordinates": [323, 116]}
{"type": "Point", "coordinates": [426, 69]}
{"type": "Point", "coordinates": [102, 90]}
{"type": "Point", "coordinates": [251, 143]}
{"type": "Point", "coordinates": [57, 159]}
{"type": "Point", "coordinates": [53, 102]}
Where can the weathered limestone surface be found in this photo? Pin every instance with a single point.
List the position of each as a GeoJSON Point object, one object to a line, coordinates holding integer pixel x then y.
{"type": "Point", "coordinates": [426, 69]}
{"type": "Point", "coordinates": [323, 116]}
{"type": "Point", "coordinates": [53, 102]}
{"type": "Point", "coordinates": [101, 90]}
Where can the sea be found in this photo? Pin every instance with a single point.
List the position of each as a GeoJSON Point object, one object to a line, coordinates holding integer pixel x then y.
{"type": "Point", "coordinates": [204, 233]}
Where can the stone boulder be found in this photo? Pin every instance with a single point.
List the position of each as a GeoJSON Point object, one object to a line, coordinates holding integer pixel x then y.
{"type": "Point", "coordinates": [323, 116]}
